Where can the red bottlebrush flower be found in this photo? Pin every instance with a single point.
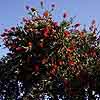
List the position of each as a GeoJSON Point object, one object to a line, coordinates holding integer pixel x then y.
{"type": "Point", "coordinates": [64, 15]}
{"type": "Point", "coordinates": [55, 24]}
{"type": "Point", "coordinates": [93, 53]}
{"type": "Point", "coordinates": [67, 34]}
{"type": "Point", "coordinates": [27, 7]}
{"type": "Point", "coordinates": [60, 62]}
{"type": "Point", "coordinates": [45, 32]}
{"type": "Point", "coordinates": [20, 49]}
{"type": "Point", "coordinates": [68, 55]}
{"type": "Point", "coordinates": [41, 45]}
{"type": "Point", "coordinates": [77, 25]}
{"type": "Point", "coordinates": [53, 71]}
{"type": "Point", "coordinates": [36, 67]}
{"type": "Point", "coordinates": [30, 44]}
{"type": "Point", "coordinates": [44, 61]}
{"type": "Point", "coordinates": [55, 66]}
{"type": "Point", "coordinates": [46, 14]}
{"type": "Point", "coordinates": [81, 34]}
{"type": "Point", "coordinates": [70, 49]}
{"type": "Point", "coordinates": [66, 83]}
{"type": "Point", "coordinates": [13, 46]}
{"type": "Point", "coordinates": [71, 63]}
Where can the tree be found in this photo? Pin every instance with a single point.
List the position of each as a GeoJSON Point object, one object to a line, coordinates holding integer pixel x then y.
{"type": "Point", "coordinates": [51, 59]}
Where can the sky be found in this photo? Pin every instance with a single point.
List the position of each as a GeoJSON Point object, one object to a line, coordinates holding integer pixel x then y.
{"type": "Point", "coordinates": [12, 12]}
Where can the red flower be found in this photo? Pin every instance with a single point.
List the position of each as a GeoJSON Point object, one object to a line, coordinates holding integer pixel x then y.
{"type": "Point", "coordinates": [36, 67]}
{"type": "Point", "coordinates": [93, 53]}
{"type": "Point", "coordinates": [66, 83]}
{"type": "Point", "coordinates": [60, 62]}
{"type": "Point", "coordinates": [30, 44]}
{"type": "Point", "coordinates": [55, 24]}
{"type": "Point", "coordinates": [43, 61]}
{"type": "Point", "coordinates": [13, 46]}
{"type": "Point", "coordinates": [55, 66]}
{"type": "Point", "coordinates": [46, 14]}
{"type": "Point", "coordinates": [41, 45]}
{"type": "Point", "coordinates": [67, 34]}
{"type": "Point", "coordinates": [53, 71]}
{"type": "Point", "coordinates": [20, 49]}
{"type": "Point", "coordinates": [70, 49]}
{"type": "Point", "coordinates": [71, 63]}
{"type": "Point", "coordinates": [81, 34]}
{"type": "Point", "coordinates": [45, 32]}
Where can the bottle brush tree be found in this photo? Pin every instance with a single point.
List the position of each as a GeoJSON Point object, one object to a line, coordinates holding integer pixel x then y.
{"type": "Point", "coordinates": [55, 60]}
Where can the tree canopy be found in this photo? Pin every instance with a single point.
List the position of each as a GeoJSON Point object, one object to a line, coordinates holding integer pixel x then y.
{"type": "Point", "coordinates": [50, 59]}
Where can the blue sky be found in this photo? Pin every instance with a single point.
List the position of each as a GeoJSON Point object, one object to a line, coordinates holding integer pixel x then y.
{"type": "Point", "coordinates": [12, 11]}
